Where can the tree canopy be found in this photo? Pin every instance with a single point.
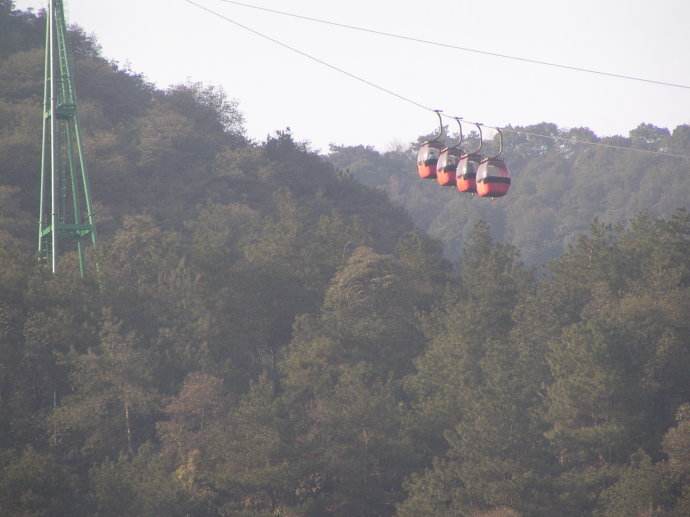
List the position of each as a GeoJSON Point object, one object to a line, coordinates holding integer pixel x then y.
{"type": "Point", "coordinates": [269, 334]}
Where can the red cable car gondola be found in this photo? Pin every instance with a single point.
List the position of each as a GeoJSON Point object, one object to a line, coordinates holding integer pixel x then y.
{"type": "Point", "coordinates": [448, 162]}
{"type": "Point", "coordinates": [493, 177]}
{"type": "Point", "coordinates": [467, 167]}
{"type": "Point", "coordinates": [429, 152]}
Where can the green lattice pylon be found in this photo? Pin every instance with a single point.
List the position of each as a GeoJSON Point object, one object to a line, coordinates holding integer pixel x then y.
{"type": "Point", "coordinates": [64, 182]}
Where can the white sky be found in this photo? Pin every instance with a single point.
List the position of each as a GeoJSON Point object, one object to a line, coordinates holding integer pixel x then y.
{"type": "Point", "coordinates": [170, 42]}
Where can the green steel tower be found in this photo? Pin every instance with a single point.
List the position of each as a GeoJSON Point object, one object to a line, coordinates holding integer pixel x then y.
{"type": "Point", "coordinates": [66, 213]}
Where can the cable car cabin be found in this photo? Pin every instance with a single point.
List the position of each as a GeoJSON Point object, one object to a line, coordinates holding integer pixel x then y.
{"type": "Point", "coordinates": [447, 166]}
{"type": "Point", "coordinates": [467, 172]}
{"type": "Point", "coordinates": [427, 158]}
{"type": "Point", "coordinates": [493, 178]}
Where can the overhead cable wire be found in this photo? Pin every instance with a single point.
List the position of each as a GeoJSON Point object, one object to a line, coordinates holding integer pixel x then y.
{"type": "Point", "coordinates": [566, 139]}
{"type": "Point", "coordinates": [458, 47]}
{"type": "Point", "coordinates": [415, 103]}
{"type": "Point", "coordinates": [311, 57]}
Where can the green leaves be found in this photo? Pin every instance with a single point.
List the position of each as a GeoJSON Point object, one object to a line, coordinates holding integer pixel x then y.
{"type": "Point", "coordinates": [266, 336]}
{"type": "Point", "coordinates": [112, 397]}
{"type": "Point", "coordinates": [638, 491]}
{"type": "Point", "coordinates": [558, 187]}
{"type": "Point", "coordinates": [34, 484]}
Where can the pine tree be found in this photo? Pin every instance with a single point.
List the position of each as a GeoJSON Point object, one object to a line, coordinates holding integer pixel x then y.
{"type": "Point", "coordinates": [112, 405]}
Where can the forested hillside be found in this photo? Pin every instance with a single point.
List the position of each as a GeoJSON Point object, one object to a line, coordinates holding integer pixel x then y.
{"type": "Point", "coordinates": [266, 336]}
{"type": "Point", "coordinates": [558, 187]}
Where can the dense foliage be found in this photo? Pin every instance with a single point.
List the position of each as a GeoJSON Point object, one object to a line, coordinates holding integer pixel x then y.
{"type": "Point", "coordinates": [558, 186]}
{"type": "Point", "coordinates": [266, 336]}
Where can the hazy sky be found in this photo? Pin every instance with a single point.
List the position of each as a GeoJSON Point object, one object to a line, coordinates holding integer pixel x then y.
{"type": "Point", "coordinates": [169, 41]}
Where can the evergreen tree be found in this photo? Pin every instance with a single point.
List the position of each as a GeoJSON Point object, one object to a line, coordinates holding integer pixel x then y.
{"type": "Point", "coordinates": [111, 409]}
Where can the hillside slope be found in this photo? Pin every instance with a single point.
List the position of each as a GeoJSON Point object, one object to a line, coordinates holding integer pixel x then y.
{"type": "Point", "coordinates": [558, 188]}
{"type": "Point", "coordinates": [268, 337]}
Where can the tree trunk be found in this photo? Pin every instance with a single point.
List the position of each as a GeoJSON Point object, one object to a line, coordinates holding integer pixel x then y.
{"type": "Point", "coordinates": [129, 429]}
{"type": "Point", "coordinates": [54, 438]}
